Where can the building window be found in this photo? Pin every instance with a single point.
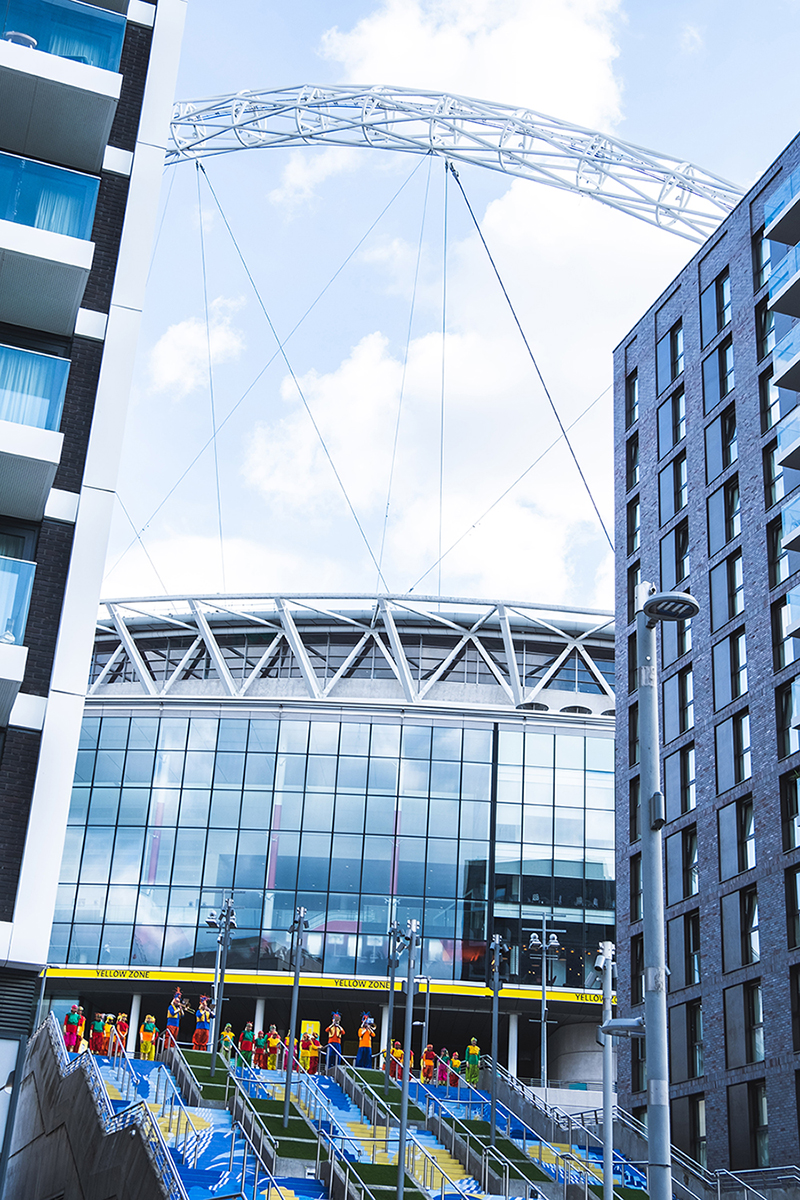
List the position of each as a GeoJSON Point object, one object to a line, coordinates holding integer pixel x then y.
{"type": "Point", "coordinates": [765, 329]}
{"type": "Point", "coordinates": [751, 944]}
{"type": "Point", "coordinates": [761, 260]}
{"type": "Point", "coordinates": [633, 735]}
{"type": "Point", "coordinates": [732, 742]}
{"type": "Point", "coordinates": [682, 864]}
{"type": "Point", "coordinates": [676, 640]}
{"type": "Point", "coordinates": [724, 514]}
{"type": "Point", "coordinates": [753, 1021]}
{"type": "Point", "coordinates": [675, 557]}
{"type": "Point", "coordinates": [691, 865]}
{"type": "Point", "coordinates": [632, 462]}
{"type": "Point", "coordinates": [782, 563]}
{"type": "Point", "coordinates": [691, 934]}
{"type": "Point", "coordinates": [679, 782]}
{"type": "Point", "coordinates": [638, 1068]}
{"type": "Point", "coordinates": [793, 907]}
{"type": "Point", "coordinates": [726, 582]}
{"type": "Point", "coordinates": [779, 481]}
{"type": "Point", "coordinates": [697, 1129]}
{"type": "Point", "coordinates": [729, 660]}
{"type": "Point", "coordinates": [634, 580]}
{"type": "Point", "coordinates": [757, 1097]}
{"type": "Point", "coordinates": [669, 357]}
{"type": "Point", "coordinates": [634, 525]}
{"type": "Point", "coordinates": [715, 307]}
{"type": "Point", "coordinates": [718, 378]}
{"type": "Point", "coordinates": [635, 808]}
{"type": "Point", "coordinates": [722, 448]}
{"type": "Point", "coordinates": [672, 488]}
{"type": "Point", "coordinates": [678, 704]}
{"type": "Point", "coordinates": [633, 670]}
{"type": "Point", "coordinates": [794, 987]}
{"type": "Point", "coordinates": [636, 887]}
{"type": "Point", "coordinates": [775, 402]}
{"type": "Point", "coordinates": [787, 713]}
{"type": "Point", "coordinates": [736, 833]}
{"type": "Point", "coordinates": [631, 399]}
{"type": "Point", "coordinates": [671, 422]}
{"type": "Point", "coordinates": [790, 811]}
{"type": "Point", "coordinates": [694, 1032]}
{"type": "Point", "coordinates": [637, 973]}
{"type": "Point", "coordinates": [783, 643]}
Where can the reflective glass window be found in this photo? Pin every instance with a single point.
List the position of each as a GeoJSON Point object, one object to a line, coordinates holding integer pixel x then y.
{"type": "Point", "coordinates": [417, 741]}
{"type": "Point", "coordinates": [477, 746]}
{"type": "Point", "coordinates": [147, 943]}
{"type": "Point", "coordinates": [293, 737]}
{"type": "Point", "coordinates": [96, 855]}
{"type": "Point", "coordinates": [158, 850]}
{"type": "Point", "coordinates": [568, 827]}
{"type": "Point", "coordinates": [318, 812]}
{"type": "Point", "coordinates": [133, 806]}
{"type": "Point", "coordinates": [538, 823]}
{"type": "Point", "coordinates": [510, 747]}
{"type": "Point", "coordinates": [385, 741]}
{"type": "Point", "coordinates": [476, 780]}
{"type": "Point", "coordinates": [84, 766]}
{"type": "Point", "coordinates": [263, 736]}
{"type": "Point", "coordinates": [315, 858]}
{"type": "Point", "coordinates": [259, 770]}
{"type": "Point", "coordinates": [229, 770]}
{"type": "Point", "coordinates": [103, 807]}
{"type": "Point", "coordinates": [90, 902]}
{"type": "Point", "coordinates": [414, 776]}
{"type": "Point", "coordinates": [345, 863]}
{"type": "Point", "coordinates": [90, 731]}
{"type": "Point", "coordinates": [324, 737]}
{"type": "Point", "coordinates": [127, 861]}
{"type": "Point", "coordinates": [194, 807]}
{"type": "Point", "coordinates": [232, 734]}
{"type": "Point", "coordinates": [114, 733]}
{"type": "Point", "coordinates": [108, 767]}
{"type": "Point", "coordinates": [169, 768]}
{"type": "Point", "coordinates": [377, 868]}
{"type": "Point", "coordinates": [383, 775]}
{"type": "Point", "coordinates": [143, 733]}
{"type": "Point", "coordinates": [65, 902]}
{"type": "Point", "coordinates": [121, 903]}
{"type": "Point", "coordinates": [475, 820]}
{"type": "Point", "coordinates": [84, 944]}
{"type": "Point", "coordinates": [446, 743]}
{"type": "Point", "coordinates": [442, 819]}
{"type": "Point", "coordinates": [199, 768]}
{"type": "Point", "coordinates": [321, 773]}
{"type": "Point", "coordinates": [184, 905]}
{"type": "Point", "coordinates": [282, 868]}
{"type": "Point", "coordinates": [445, 778]}
{"type": "Point", "coordinates": [381, 812]}
{"type": "Point", "coordinates": [115, 944]}
{"type": "Point", "coordinates": [287, 810]}
{"type": "Point", "coordinates": [164, 807]}
{"type": "Point", "coordinates": [173, 733]}
{"type": "Point", "coordinates": [202, 733]}
{"type": "Point", "coordinates": [190, 845]}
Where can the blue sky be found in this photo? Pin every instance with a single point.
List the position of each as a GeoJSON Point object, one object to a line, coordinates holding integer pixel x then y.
{"type": "Point", "coordinates": [700, 80]}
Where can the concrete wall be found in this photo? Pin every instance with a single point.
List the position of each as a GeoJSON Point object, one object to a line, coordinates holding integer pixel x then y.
{"type": "Point", "coordinates": [59, 1148]}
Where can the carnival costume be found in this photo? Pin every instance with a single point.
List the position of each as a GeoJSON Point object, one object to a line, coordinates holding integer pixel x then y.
{"type": "Point", "coordinates": [202, 1025]}
{"type": "Point", "coordinates": [444, 1063]}
{"type": "Point", "coordinates": [365, 1035]}
{"type": "Point", "coordinates": [473, 1062]}
{"type": "Point", "coordinates": [71, 1025]}
{"type": "Point", "coordinates": [335, 1034]}
{"type": "Point", "coordinates": [226, 1040]}
{"type": "Point", "coordinates": [246, 1042]}
{"type": "Point", "coordinates": [428, 1063]}
{"type": "Point", "coordinates": [148, 1032]}
{"type": "Point", "coordinates": [273, 1046]}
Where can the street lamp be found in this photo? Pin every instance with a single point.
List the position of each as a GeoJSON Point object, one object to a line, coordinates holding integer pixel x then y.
{"type": "Point", "coordinates": [397, 944]}
{"type": "Point", "coordinates": [653, 607]}
{"type": "Point", "coordinates": [411, 940]}
{"type": "Point", "coordinates": [225, 922]}
{"type": "Point", "coordinates": [298, 926]}
{"type": "Point", "coordinates": [499, 949]}
{"type": "Point", "coordinates": [547, 944]}
{"type": "Point", "coordinates": [606, 967]}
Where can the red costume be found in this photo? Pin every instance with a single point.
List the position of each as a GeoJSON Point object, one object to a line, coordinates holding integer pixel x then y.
{"type": "Point", "coordinates": [72, 1023]}
{"type": "Point", "coordinates": [428, 1063]}
{"type": "Point", "coordinates": [313, 1061]}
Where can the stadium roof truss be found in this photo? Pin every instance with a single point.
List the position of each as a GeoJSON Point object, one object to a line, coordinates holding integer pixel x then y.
{"type": "Point", "coordinates": [291, 623]}
{"type": "Point", "coordinates": [656, 188]}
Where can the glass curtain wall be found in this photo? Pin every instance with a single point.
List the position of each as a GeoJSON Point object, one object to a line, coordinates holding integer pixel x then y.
{"type": "Point", "coordinates": [33, 193]}
{"type": "Point", "coordinates": [65, 28]}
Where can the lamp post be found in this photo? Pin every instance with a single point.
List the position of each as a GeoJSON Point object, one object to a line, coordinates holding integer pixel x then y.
{"type": "Point", "coordinates": [225, 922]}
{"type": "Point", "coordinates": [547, 944]}
{"type": "Point", "coordinates": [411, 939]}
{"type": "Point", "coordinates": [604, 963]}
{"type": "Point", "coordinates": [653, 607]}
{"type": "Point", "coordinates": [297, 928]}
{"type": "Point", "coordinates": [397, 944]}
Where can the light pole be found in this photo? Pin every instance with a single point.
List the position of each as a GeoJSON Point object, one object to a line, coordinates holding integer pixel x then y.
{"type": "Point", "coordinates": [548, 944]}
{"type": "Point", "coordinates": [397, 944]}
{"type": "Point", "coordinates": [411, 938]}
{"type": "Point", "coordinates": [225, 922]}
{"type": "Point", "coordinates": [604, 963]}
{"type": "Point", "coordinates": [653, 607]}
{"type": "Point", "coordinates": [498, 949]}
{"type": "Point", "coordinates": [298, 926]}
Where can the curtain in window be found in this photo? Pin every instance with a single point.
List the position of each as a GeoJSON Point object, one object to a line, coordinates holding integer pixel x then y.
{"type": "Point", "coordinates": [81, 47]}
{"type": "Point", "coordinates": [32, 388]}
{"type": "Point", "coordinates": [13, 599]}
{"type": "Point", "coordinates": [58, 209]}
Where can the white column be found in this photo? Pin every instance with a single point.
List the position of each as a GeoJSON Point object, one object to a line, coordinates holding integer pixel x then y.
{"type": "Point", "coordinates": [258, 1022]}
{"type": "Point", "coordinates": [513, 1036]}
{"type": "Point", "coordinates": [384, 1028]}
{"type": "Point", "coordinates": [133, 1022]}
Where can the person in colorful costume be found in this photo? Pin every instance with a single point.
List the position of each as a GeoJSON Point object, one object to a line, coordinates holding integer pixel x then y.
{"type": "Point", "coordinates": [335, 1034]}
{"type": "Point", "coordinates": [273, 1046]}
{"type": "Point", "coordinates": [428, 1063]}
{"type": "Point", "coordinates": [444, 1063]}
{"type": "Point", "coordinates": [366, 1033]}
{"type": "Point", "coordinates": [202, 1025]}
{"type": "Point", "coordinates": [71, 1026]}
{"type": "Point", "coordinates": [96, 1033]}
{"type": "Point", "coordinates": [260, 1051]}
{"type": "Point", "coordinates": [174, 1014]}
{"type": "Point", "coordinates": [473, 1062]}
{"type": "Point", "coordinates": [81, 1028]}
{"type": "Point", "coordinates": [455, 1067]}
{"type": "Point", "coordinates": [148, 1032]}
{"type": "Point", "coordinates": [122, 1028]}
{"type": "Point", "coordinates": [305, 1051]}
{"type": "Point", "coordinates": [226, 1040]}
{"type": "Point", "coordinates": [108, 1026]}
{"type": "Point", "coordinates": [246, 1042]}
{"type": "Point", "coordinates": [313, 1059]}
{"type": "Point", "coordinates": [396, 1064]}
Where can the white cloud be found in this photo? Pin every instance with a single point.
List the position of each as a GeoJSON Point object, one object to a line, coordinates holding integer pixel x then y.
{"type": "Point", "coordinates": [179, 360]}
{"type": "Point", "coordinates": [307, 169]}
{"type": "Point", "coordinates": [692, 40]}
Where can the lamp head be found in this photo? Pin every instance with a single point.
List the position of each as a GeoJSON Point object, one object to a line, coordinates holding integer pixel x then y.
{"type": "Point", "coordinates": [670, 606]}
{"type": "Point", "coordinates": [535, 942]}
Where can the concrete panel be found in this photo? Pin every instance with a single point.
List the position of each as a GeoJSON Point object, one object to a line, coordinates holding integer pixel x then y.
{"type": "Point", "coordinates": [29, 458]}
{"type": "Point", "coordinates": [42, 277]}
{"type": "Point", "coordinates": [12, 672]}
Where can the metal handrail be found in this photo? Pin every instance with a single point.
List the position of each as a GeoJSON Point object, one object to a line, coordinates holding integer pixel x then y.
{"type": "Point", "coordinates": [171, 1054]}
{"type": "Point", "coordinates": [244, 1100]}
{"type": "Point", "coordinates": [740, 1183]}
{"type": "Point", "coordinates": [259, 1162]}
{"type": "Point", "coordinates": [184, 1123]}
{"type": "Point", "coordinates": [338, 1160]}
{"type": "Point", "coordinates": [309, 1083]}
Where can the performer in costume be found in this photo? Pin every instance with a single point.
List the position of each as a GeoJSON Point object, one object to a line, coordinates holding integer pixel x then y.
{"type": "Point", "coordinates": [81, 1027]}
{"type": "Point", "coordinates": [365, 1035]}
{"type": "Point", "coordinates": [273, 1046]}
{"type": "Point", "coordinates": [335, 1034]}
{"type": "Point", "coordinates": [444, 1063]}
{"type": "Point", "coordinates": [396, 1064]}
{"type": "Point", "coordinates": [226, 1040]}
{"type": "Point", "coordinates": [71, 1026]}
{"type": "Point", "coordinates": [96, 1033]}
{"type": "Point", "coordinates": [260, 1052]}
{"type": "Point", "coordinates": [313, 1061]}
{"type": "Point", "coordinates": [122, 1028]}
{"type": "Point", "coordinates": [455, 1067]}
{"type": "Point", "coordinates": [174, 1014]}
{"type": "Point", "coordinates": [108, 1025]}
{"type": "Point", "coordinates": [473, 1062]}
{"type": "Point", "coordinates": [202, 1025]}
{"type": "Point", "coordinates": [246, 1042]}
{"type": "Point", "coordinates": [148, 1032]}
{"type": "Point", "coordinates": [305, 1051]}
{"type": "Point", "coordinates": [428, 1063]}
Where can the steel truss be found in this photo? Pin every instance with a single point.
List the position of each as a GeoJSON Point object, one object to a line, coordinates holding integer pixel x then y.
{"type": "Point", "coordinates": [289, 625]}
{"type": "Point", "coordinates": [656, 188]}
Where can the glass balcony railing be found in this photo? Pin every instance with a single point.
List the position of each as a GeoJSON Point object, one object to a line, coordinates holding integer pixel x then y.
{"type": "Point", "coordinates": [16, 582]}
{"type": "Point", "coordinates": [792, 610]}
{"type": "Point", "coordinates": [32, 387]}
{"type": "Point", "coordinates": [787, 349]}
{"type": "Point", "coordinates": [784, 270]}
{"type": "Point", "coordinates": [790, 522]}
{"type": "Point", "coordinates": [65, 28]}
{"type": "Point", "coordinates": [32, 193]}
{"type": "Point", "coordinates": [788, 432]}
{"type": "Point", "coordinates": [781, 198]}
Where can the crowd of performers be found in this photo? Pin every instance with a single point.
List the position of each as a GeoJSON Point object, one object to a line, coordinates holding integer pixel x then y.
{"type": "Point", "coordinates": [265, 1051]}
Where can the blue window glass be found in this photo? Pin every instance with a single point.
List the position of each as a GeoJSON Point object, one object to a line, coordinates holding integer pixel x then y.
{"type": "Point", "coordinates": [385, 741]}
{"type": "Point", "coordinates": [475, 820]}
{"type": "Point", "coordinates": [446, 743]}
{"type": "Point", "coordinates": [45, 197]}
{"type": "Point", "coordinates": [290, 772]}
{"type": "Point", "coordinates": [108, 767]}
{"type": "Point", "coordinates": [509, 783]}
{"type": "Point", "coordinates": [78, 806]}
{"type": "Point", "coordinates": [318, 812]}
{"type": "Point", "coordinates": [229, 770]}
{"type": "Point", "coordinates": [104, 805]}
{"type": "Point", "coordinates": [442, 819]}
{"type": "Point", "coordinates": [510, 747]}
{"type": "Point", "coordinates": [121, 904]}
{"type": "Point", "coordinates": [383, 775]}
{"type": "Point", "coordinates": [65, 902]}
{"type": "Point", "coordinates": [569, 787]}
{"type": "Point", "coordinates": [16, 583]}
{"type": "Point", "coordinates": [169, 768]}
{"type": "Point", "coordinates": [537, 823]}
{"type": "Point", "coordinates": [345, 863]}
{"type": "Point", "coordinates": [381, 814]}
{"type": "Point", "coordinates": [199, 767]}
{"type": "Point", "coordinates": [172, 733]}
{"type": "Point", "coordinates": [232, 734]}
{"type": "Point", "coordinates": [96, 856]}
{"type": "Point", "coordinates": [84, 944]}
{"type": "Point", "coordinates": [138, 766]}
{"type": "Point", "coordinates": [90, 732]}
{"type": "Point", "coordinates": [599, 789]}
{"type": "Point", "coordinates": [440, 917]}
{"type": "Point", "coordinates": [114, 733]}
{"type": "Point", "coordinates": [293, 737]}
{"type": "Point", "coordinates": [190, 845]}
{"type": "Point", "coordinates": [377, 867]}
{"type": "Point", "coordinates": [477, 746]}
{"type": "Point", "coordinates": [340, 953]}
{"type": "Point", "coordinates": [147, 943]}
{"type": "Point", "coordinates": [263, 736]}
{"type": "Point", "coordinates": [410, 873]}
{"type": "Point", "coordinates": [250, 903]}
{"type": "Point", "coordinates": [414, 776]}
{"type": "Point", "coordinates": [509, 822]}
{"type": "Point", "coordinates": [417, 741]}
{"type": "Point", "coordinates": [282, 867]}
{"type": "Point", "coordinates": [194, 807]}
{"type": "Point", "coordinates": [445, 778]}
{"type": "Point", "coordinates": [151, 908]}
{"type": "Point", "coordinates": [568, 827]}
{"type": "Point", "coordinates": [143, 733]}
{"type": "Point", "coordinates": [259, 770]}
{"type": "Point", "coordinates": [538, 785]}
{"type": "Point", "coordinates": [441, 868]}
{"type": "Point", "coordinates": [411, 818]}
{"type": "Point", "coordinates": [184, 906]}
{"type": "Point", "coordinates": [349, 815]}
{"type": "Point", "coordinates": [374, 916]}
{"type": "Point", "coordinates": [324, 737]}
{"type": "Point", "coordinates": [569, 751]}
{"type": "Point", "coordinates": [256, 810]}
{"type": "Point", "coordinates": [127, 862]}
{"type": "Point", "coordinates": [67, 29]}
{"type": "Point", "coordinates": [203, 733]}
{"type": "Point", "coordinates": [164, 806]}
{"type": "Point", "coordinates": [32, 388]}
{"type": "Point", "coordinates": [476, 781]}
{"type": "Point", "coordinates": [158, 849]}
{"type": "Point", "coordinates": [315, 853]}
{"type": "Point", "coordinates": [90, 902]}
{"type": "Point", "coordinates": [115, 944]}
{"type": "Point", "coordinates": [59, 941]}
{"type": "Point", "coordinates": [473, 870]}
{"type": "Point", "coordinates": [220, 857]}
{"type": "Point", "coordinates": [84, 766]}
{"type": "Point", "coordinates": [278, 910]}
{"type": "Point", "coordinates": [352, 776]}
{"type": "Point", "coordinates": [599, 829]}
{"type": "Point", "coordinates": [321, 773]}
{"type": "Point", "coordinates": [599, 754]}
{"type": "Point", "coordinates": [354, 738]}
{"type": "Point", "coordinates": [372, 954]}
{"type": "Point", "coordinates": [133, 806]}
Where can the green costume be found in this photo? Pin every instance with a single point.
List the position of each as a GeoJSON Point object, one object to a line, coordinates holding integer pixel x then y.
{"type": "Point", "coordinates": [473, 1057]}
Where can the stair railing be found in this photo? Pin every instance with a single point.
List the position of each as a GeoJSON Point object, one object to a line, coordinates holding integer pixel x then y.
{"type": "Point", "coordinates": [310, 1098]}
{"type": "Point", "coordinates": [258, 1163]}
{"type": "Point", "coordinates": [185, 1129]}
{"type": "Point", "coordinates": [170, 1053]}
{"type": "Point", "coordinates": [339, 1163]}
{"type": "Point", "coordinates": [121, 1063]}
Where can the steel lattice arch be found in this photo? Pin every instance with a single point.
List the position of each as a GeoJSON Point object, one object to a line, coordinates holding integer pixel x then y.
{"type": "Point", "coordinates": [657, 188]}
{"type": "Point", "coordinates": [422, 652]}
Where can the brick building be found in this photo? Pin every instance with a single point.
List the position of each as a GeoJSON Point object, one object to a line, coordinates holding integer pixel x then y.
{"type": "Point", "coordinates": [706, 487]}
{"type": "Point", "coordinates": [85, 94]}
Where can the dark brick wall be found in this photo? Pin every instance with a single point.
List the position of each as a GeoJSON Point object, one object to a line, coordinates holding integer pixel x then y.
{"type": "Point", "coordinates": [106, 234]}
{"type": "Point", "coordinates": [133, 67]}
{"type": "Point", "coordinates": [20, 759]}
{"type": "Point", "coordinates": [76, 419]}
{"type": "Point", "coordinates": [731, 247]}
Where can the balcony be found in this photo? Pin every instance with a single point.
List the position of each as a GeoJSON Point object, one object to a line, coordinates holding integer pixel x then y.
{"type": "Point", "coordinates": [789, 441]}
{"type": "Point", "coordinates": [32, 388]}
{"type": "Point", "coordinates": [793, 617]}
{"type": "Point", "coordinates": [46, 216]}
{"type": "Point", "coordinates": [782, 212]}
{"type": "Point", "coordinates": [791, 526]}
{"type": "Point", "coordinates": [59, 85]}
{"type": "Point", "coordinates": [786, 360]}
{"type": "Point", "coordinates": [784, 285]}
{"type": "Point", "coordinates": [16, 583]}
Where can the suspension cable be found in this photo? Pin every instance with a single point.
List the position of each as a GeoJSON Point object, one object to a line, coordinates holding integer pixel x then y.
{"type": "Point", "coordinates": [532, 357]}
{"type": "Point", "coordinates": [210, 375]}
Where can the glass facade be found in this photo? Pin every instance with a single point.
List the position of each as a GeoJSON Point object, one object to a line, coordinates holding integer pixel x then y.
{"type": "Point", "coordinates": [360, 820]}
{"type": "Point", "coordinates": [53, 198]}
{"type": "Point", "coordinates": [65, 28]}
{"type": "Point", "coordinates": [32, 387]}
{"type": "Point", "coordinates": [16, 584]}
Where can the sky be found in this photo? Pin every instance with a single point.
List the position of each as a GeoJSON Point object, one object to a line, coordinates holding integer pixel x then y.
{"type": "Point", "coordinates": [419, 384]}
